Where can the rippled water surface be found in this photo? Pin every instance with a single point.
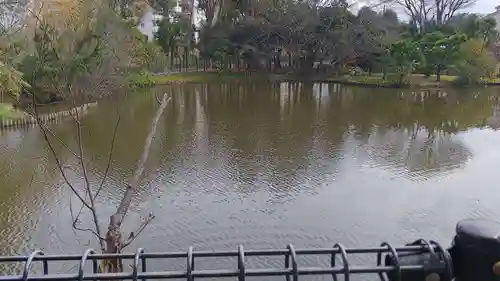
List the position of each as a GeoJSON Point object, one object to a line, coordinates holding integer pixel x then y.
{"type": "Point", "coordinates": [264, 165]}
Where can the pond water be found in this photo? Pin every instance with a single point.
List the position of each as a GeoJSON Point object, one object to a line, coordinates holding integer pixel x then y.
{"type": "Point", "coordinates": [265, 164]}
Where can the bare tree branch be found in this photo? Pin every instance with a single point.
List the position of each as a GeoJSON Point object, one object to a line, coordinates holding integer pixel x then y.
{"type": "Point", "coordinates": [58, 162]}
{"type": "Point", "coordinates": [108, 166]}
{"type": "Point", "coordinates": [135, 234]}
{"type": "Point", "coordinates": [93, 209]}
{"type": "Point", "coordinates": [54, 135]}
{"type": "Point", "coordinates": [423, 11]}
{"type": "Point", "coordinates": [75, 221]}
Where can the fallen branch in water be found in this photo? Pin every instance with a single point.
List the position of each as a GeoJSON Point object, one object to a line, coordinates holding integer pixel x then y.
{"type": "Point", "coordinates": [114, 241]}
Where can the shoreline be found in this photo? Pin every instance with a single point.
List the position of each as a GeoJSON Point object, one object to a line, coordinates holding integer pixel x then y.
{"type": "Point", "coordinates": [420, 82]}
{"type": "Point", "coordinates": [22, 118]}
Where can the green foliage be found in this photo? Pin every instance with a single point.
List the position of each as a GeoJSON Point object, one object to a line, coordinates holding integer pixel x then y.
{"type": "Point", "coordinates": [440, 50]}
{"type": "Point", "coordinates": [146, 55]}
{"type": "Point", "coordinates": [404, 55]}
{"type": "Point", "coordinates": [476, 63]}
{"type": "Point", "coordinates": [89, 53]}
{"type": "Point", "coordinates": [11, 81]}
{"type": "Point", "coordinates": [165, 7]}
{"type": "Point", "coordinates": [475, 26]}
{"type": "Point", "coordinates": [169, 35]}
{"type": "Point", "coordinates": [7, 111]}
{"type": "Point", "coordinates": [147, 79]}
{"type": "Point", "coordinates": [64, 55]}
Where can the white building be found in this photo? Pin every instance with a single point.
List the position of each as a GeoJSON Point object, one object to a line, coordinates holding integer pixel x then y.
{"type": "Point", "coordinates": [148, 24]}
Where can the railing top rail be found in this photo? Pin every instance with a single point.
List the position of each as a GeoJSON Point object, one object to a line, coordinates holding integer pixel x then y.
{"type": "Point", "coordinates": [388, 263]}
{"type": "Point", "coordinates": [226, 253]}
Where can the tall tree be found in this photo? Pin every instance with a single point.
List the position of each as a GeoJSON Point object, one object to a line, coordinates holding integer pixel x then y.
{"type": "Point", "coordinates": [445, 9]}
{"type": "Point", "coordinates": [169, 37]}
{"type": "Point", "coordinates": [441, 50]}
{"type": "Point", "coordinates": [425, 13]}
{"type": "Point", "coordinates": [476, 26]}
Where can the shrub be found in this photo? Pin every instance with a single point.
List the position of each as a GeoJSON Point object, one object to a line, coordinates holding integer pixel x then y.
{"type": "Point", "coordinates": [11, 81]}
{"type": "Point", "coordinates": [476, 63]}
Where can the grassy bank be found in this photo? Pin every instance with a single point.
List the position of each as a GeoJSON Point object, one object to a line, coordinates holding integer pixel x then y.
{"type": "Point", "coordinates": [149, 79]}
{"type": "Point", "coordinates": [7, 111]}
{"type": "Point", "coordinates": [413, 81]}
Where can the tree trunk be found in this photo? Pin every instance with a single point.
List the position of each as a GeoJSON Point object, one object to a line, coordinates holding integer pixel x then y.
{"type": "Point", "coordinates": [307, 64]}
{"type": "Point", "coordinates": [319, 66]}
{"type": "Point", "coordinates": [172, 66]}
{"type": "Point", "coordinates": [277, 62]}
{"type": "Point", "coordinates": [438, 74]}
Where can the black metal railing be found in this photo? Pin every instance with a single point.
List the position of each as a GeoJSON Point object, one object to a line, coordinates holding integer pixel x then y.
{"type": "Point", "coordinates": [388, 263]}
{"type": "Point", "coordinates": [473, 256]}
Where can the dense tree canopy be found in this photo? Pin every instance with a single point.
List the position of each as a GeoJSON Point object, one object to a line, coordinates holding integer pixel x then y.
{"type": "Point", "coordinates": [78, 43]}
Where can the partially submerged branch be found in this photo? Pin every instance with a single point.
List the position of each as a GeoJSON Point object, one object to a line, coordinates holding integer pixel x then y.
{"type": "Point", "coordinates": [117, 218]}
{"type": "Point", "coordinates": [114, 242]}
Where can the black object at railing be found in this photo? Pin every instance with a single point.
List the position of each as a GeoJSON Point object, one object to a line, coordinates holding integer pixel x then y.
{"type": "Point", "coordinates": [474, 255]}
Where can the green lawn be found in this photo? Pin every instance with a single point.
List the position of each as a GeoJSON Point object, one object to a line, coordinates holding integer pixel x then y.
{"type": "Point", "coordinates": [415, 80]}
{"type": "Point", "coordinates": [148, 79]}
{"type": "Point", "coordinates": [375, 80]}
{"type": "Point", "coordinates": [7, 111]}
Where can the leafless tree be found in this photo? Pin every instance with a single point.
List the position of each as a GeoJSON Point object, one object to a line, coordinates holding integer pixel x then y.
{"type": "Point", "coordinates": [423, 12]}
{"type": "Point", "coordinates": [111, 240]}
{"type": "Point", "coordinates": [446, 9]}
{"type": "Point", "coordinates": [419, 11]}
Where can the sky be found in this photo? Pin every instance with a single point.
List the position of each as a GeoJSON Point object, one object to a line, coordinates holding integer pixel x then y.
{"type": "Point", "coordinates": [484, 6]}
{"type": "Point", "coordinates": [481, 6]}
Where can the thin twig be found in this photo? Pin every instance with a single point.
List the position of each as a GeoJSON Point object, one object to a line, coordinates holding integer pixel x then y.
{"type": "Point", "coordinates": [106, 172]}
{"type": "Point", "coordinates": [110, 155]}
{"type": "Point", "coordinates": [135, 234]}
{"type": "Point", "coordinates": [58, 162]}
{"type": "Point", "coordinates": [54, 135]}
{"type": "Point", "coordinates": [75, 221]}
{"type": "Point", "coordinates": [88, 186]}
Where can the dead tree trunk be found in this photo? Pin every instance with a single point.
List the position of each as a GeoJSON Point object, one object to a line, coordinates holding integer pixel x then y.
{"type": "Point", "coordinates": [114, 239]}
